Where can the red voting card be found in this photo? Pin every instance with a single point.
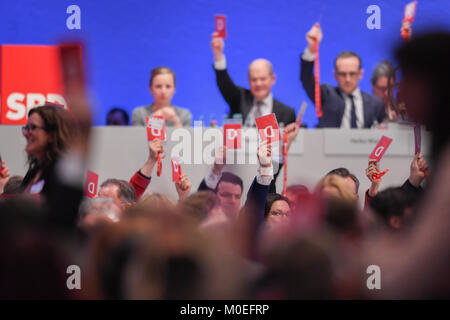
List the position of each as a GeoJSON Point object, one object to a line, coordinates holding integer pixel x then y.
{"type": "Point", "coordinates": [268, 128]}
{"type": "Point", "coordinates": [380, 149]}
{"type": "Point", "coordinates": [72, 69]}
{"type": "Point", "coordinates": [176, 170]}
{"type": "Point", "coordinates": [417, 138]}
{"type": "Point", "coordinates": [232, 135]}
{"type": "Point", "coordinates": [221, 26]}
{"type": "Point", "coordinates": [91, 184]}
{"type": "Point", "coordinates": [410, 11]}
{"type": "Point", "coordinates": [156, 128]}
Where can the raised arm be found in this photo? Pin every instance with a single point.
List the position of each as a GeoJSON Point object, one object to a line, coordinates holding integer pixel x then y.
{"type": "Point", "coordinates": [230, 92]}
{"type": "Point", "coordinates": [212, 178]}
{"type": "Point", "coordinates": [307, 61]}
{"type": "Point", "coordinates": [141, 179]}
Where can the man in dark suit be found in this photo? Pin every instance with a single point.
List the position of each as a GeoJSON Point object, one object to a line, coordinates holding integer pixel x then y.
{"type": "Point", "coordinates": [345, 106]}
{"type": "Point", "coordinates": [253, 103]}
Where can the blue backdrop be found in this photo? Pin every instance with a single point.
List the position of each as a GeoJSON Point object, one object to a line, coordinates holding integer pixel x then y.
{"type": "Point", "coordinates": [126, 39]}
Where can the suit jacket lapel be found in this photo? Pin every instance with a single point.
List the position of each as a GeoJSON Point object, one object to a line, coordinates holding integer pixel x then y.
{"type": "Point", "coordinates": [341, 109]}
{"type": "Point", "coordinates": [366, 109]}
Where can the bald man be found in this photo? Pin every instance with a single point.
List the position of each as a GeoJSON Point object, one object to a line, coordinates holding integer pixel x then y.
{"type": "Point", "coordinates": [253, 103]}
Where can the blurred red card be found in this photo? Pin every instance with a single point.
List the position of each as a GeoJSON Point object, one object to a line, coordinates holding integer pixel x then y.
{"type": "Point", "coordinates": [417, 138]}
{"type": "Point", "coordinates": [232, 135]}
{"type": "Point", "coordinates": [268, 128]}
{"type": "Point", "coordinates": [176, 170]}
{"type": "Point", "coordinates": [380, 149]}
{"type": "Point", "coordinates": [410, 11]}
{"type": "Point", "coordinates": [156, 128]}
{"type": "Point", "coordinates": [72, 68]}
{"type": "Point", "coordinates": [221, 25]}
{"type": "Point", "coordinates": [91, 184]}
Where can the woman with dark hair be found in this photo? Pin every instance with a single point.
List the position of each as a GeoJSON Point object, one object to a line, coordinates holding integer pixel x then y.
{"type": "Point", "coordinates": [276, 209]}
{"type": "Point", "coordinates": [47, 132]}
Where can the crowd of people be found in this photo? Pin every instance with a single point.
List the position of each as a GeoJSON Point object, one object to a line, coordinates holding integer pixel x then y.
{"type": "Point", "coordinates": [306, 244]}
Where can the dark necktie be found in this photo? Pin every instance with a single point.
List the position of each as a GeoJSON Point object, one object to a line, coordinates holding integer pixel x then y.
{"type": "Point", "coordinates": [258, 112]}
{"type": "Point", "coordinates": [353, 113]}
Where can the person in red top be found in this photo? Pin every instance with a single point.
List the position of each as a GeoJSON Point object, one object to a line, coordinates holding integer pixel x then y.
{"type": "Point", "coordinates": [141, 179]}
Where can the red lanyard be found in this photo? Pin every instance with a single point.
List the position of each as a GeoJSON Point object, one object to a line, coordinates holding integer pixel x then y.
{"type": "Point", "coordinates": [285, 163]}
{"type": "Point", "coordinates": [159, 169]}
{"type": "Point", "coordinates": [317, 101]}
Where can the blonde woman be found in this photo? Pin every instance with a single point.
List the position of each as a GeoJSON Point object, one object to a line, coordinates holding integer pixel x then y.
{"type": "Point", "coordinates": [162, 88]}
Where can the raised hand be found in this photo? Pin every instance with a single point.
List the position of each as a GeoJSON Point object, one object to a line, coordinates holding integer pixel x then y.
{"type": "Point", "coordinates": [265, 154]}
{"type": "Point", "coordinates": [183, 187]}
{"type": "Point", "coordinates": [220, 160]}
{"type": "Point", "coordinates": [314, 33]}
{"type": "Point", "coordinates": [373, 173]}
{"type": "Point", "coordinates": [417, 170]}
{"type": "Point", "coordinates": [217, 45]}
{"type": "Point", "coordinates": [4, 175]}
{"type": "Point", "coordinates": [169, 114]}
{"type": "Point", "coordinates": [292, 132]}
{"type": "Point", "coordinates": [155, 147]}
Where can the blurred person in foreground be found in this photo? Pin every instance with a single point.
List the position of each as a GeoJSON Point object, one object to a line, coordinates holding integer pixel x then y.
{"type": "Point", "coordinates": [414, 263]}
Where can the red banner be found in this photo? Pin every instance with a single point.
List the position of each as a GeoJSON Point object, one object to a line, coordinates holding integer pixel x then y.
{"type": "Point", "coordinates": [29, 77]}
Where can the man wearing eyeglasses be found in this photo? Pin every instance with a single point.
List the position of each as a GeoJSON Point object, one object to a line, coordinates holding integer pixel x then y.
{"type": "Point", "coordinates": [344, 106]}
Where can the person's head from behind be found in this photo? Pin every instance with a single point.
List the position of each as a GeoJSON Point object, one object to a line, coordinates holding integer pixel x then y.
{"type": "Point", "coordinates": [229, 190]}
{"type": "Point", "coordinates": [349, 177]}
{"type": "Point", "coordinates": [201, 206]}
{"type": "Point", "coordinates": [334, 186]}
{"type": "Point", "coordinates": [261, 78]}
{"type": "Point", "coordinates": [380, 78]}
{"type": "Point", "coordinates": [97, 212]}
{"type": "Point", "coordinates": [47, 132]}
{"type": "Point", "coordinates": [393, 206]}
{"type": "Point", "coordinates": [117, 117]}
{"type": "Point", "coordinates": [425, 80]}
{"type": "Point", "coordinates": [120, 191]}
{"type": "Point", "coordinates": [347, 71]}
{"type": "Point", "coordinates": [277, 209]}
{"type": "Point", "coordinates": [162, 86]}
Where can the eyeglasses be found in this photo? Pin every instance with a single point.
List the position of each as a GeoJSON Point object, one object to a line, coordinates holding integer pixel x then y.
{"type": "Point", "coordinates": [345, 74]}
{"type": "Point", "coordinates": [30, 128]}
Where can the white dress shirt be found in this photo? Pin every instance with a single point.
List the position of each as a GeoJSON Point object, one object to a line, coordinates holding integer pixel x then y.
{"type": "Point", "coordinates": [359, 110]}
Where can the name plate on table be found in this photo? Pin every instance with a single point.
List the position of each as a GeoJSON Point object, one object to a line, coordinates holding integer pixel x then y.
{"type": "Point", "coordinates": [362, 142]}
{"type": "Point", "coordinates": [250, 142]}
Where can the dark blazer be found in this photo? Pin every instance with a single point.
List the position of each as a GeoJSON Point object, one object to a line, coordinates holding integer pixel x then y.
{"type": "Point", "coordinates": [272, 188]}
{"type": "Point", "coordinates": [333, 103]}
{"type": "Point", "coordinates": [240, 99]}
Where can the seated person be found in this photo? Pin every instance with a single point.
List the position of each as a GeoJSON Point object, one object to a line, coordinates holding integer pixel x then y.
{"type": "Point", "coordinates": [345, 106]}
{"type": "Point", "coordinates": [253, 103]}
{"type": "Point", "coordinates": [380, 85]}
{"type": "Point", "coordinates": [120, 191]}
{"type": "Point", "coordinates": [349, 177]}
{"type": "Point", "coordinates": [117, 117]}
{"type": "Point", "coordinates": [162, 88]}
